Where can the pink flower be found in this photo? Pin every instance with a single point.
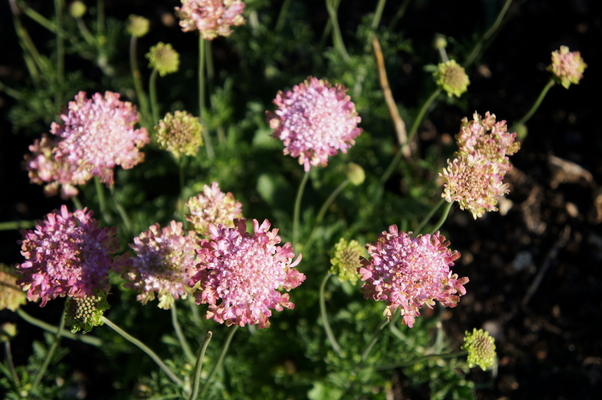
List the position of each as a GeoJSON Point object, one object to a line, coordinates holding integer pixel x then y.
{"type": "Point", "coordinates": [98, 134]}
{"type": "Point", "coordinates": [409, 272]}
{"type": "Point", "coordinates": [164, 264]}
{"type": "Point", "coordinates": [567, 66]}
{"type": "Point", "coordinates": [239, 274]}
{"type": "Point", "coordinates": [212, 18]}
{"type": "Point", "coordinates": [314, 121]}
{"type": "Point", "coordinates": [67, 255]}
{"type": "Point", "coordinates": [213, 207]}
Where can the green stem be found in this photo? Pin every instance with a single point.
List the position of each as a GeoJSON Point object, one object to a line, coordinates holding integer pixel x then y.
{"type": "Point", "coordinates": [39, 18]}
{"type": "Point", "coordinates": [78, 204]}
{"type": "Point", "coordinates": [375, 338]}
{"type": "Point", "coordinates": [83, 29]}
{"type": "Point", "coordinates": [297, 209]}
{"type": "Point", "coordinates": [136, 75]}
{"type": "Point", "coordinates": [535, 106]}
{"type": "Point", "coordinates": [423, 359]}
{"type": "Point", "coordinates": [11, 365]}
{"type": "Point", "coordinates": [411, 134]}
{"type": "Point", "coordinates": [202, 106]}
{"type": "Point", "coordinates": [322, 212]}
{"type": "Point", "coordinates": [197, 368]}
{"type": "Point", "coordinates": [329, 334]}
{"type": "Point", "coordinates": [282, 15]}
{"type": "Point", "coordinates": [428, 217]}
{"type": "Point", "coordinates": [14, 225]}
{"type": "Point", "coordinates": [332, 7]}
{"type": "Point", "coordinates": [443, 218]}
{"type": "Point", "coordinates": [88, 339]}
{"type": "Point", "coordinates": [194, 309]}
{"type": "Point", "coordinates": [60, 47]}
{"type": "Point", "coordinates": [180, 334]}
{"type": "Point", "coordinates": [55, 345]}
{"type": "Point", "coordinates": [145, 349]}
{"type": "Point", "coordinates": [182, 200]}
{"type": "Point", "coordinates": [378, 13]}
{"type": "Point", "coordinates": [219, 361]}
{"type": "Point", "coordinates": [102, 201]}
{"type": "Point", "coordinates": [479, 46]}
{"type": "Point", "coordinates": [400, 12]}
{"type": "Point", "coordinates": [152, 87]}
{"type": "Point", "coordinates": [14, 93]}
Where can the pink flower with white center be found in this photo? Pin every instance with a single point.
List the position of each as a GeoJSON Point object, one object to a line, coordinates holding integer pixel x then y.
{"type": "Point", "coordinates": [44, 168]}
{"type": "Point", "coordinates": [212, 18]}
{"type": "Point", "coordinates": [409, 272]}
{"type": "Point", "coordinates": [567, 66]}
{"type": "Point", "coordinates": [213, 207]}
{"type": "Point", "coordinates": [98, 134]}
{"type": "Point", "coordinates": [239, 274]}
{"type": "Point", "coordinates": [314, 121]}
{"type": "Point", "coordinates": [67, 255]}
{"type": "Point", "coordinates": [164, 264]}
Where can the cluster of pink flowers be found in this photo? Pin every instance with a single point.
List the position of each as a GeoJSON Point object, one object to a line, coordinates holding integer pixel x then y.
{"type": "Point", "coordinates": [239, 274]}
{"type": "Point", "coordinates": [474, 178]}
{"type": "Point", "coordinates": [67, 255]}
{"type": "Point", "coordinates": [213, 207]}
{"type": "Point", "coordinates": [96, 135]}
{"type": "Point", "coordinates": [314, 121]}
{"type": "Point", "coordinates": [567, 66]}
{"type": "Point", "coordinates": [163, 265]}
{"type": "Point", "coordinates": [212, 18]}
{"type": "Point", "coordinates": [409, 272]}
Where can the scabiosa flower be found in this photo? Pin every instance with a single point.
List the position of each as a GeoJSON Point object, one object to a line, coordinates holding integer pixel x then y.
{"type": "Point", "coordinates": [481, 349]}
{"type": "Point", "coordinates": [452, 78]}
{"type": "Point", "coordinates": [212, 18]}
{"type": "Point", "coordinates": [138, 26]}
{"type": "Point", "coordinates": [67, 255]}
{"type": "Point", "coordinates": [346, 260]}
{"type": "Point", "coordinates": [83, 314]}
{"type": "Point", "coordinates": [180, 133]}
{"type": "Point", "coordinates": [567, 66]}
{"type": "Point", "coordinates": [239, 274]}
{"type": "Point", "coordinates": [97, 134]}
{"type": "Point", "coordinates": [409, 272]}
{"type": "Point", "coordinates": [213, 207]}
{"type": "Point", "coordinates": [314, 121]}
{"type": "Point", "coordinates": [163, 58]}
{"type": "Point", "coordinates": [11, 295]}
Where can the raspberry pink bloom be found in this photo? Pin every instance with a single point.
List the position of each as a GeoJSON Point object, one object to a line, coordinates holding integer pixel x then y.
{"type": "Point", "coordinates": [213, 207]}
{"type": "Point", "coordinates": [67, 255]}
{"type": "Point", "coordinates": [164, 264]}
{"type": "Point", "coordinates": [98, 134]}
{"type": "Point", "coordinates": [409, 272]}
{"type": "Point", "coordinates": [240, 274]}
{"type": "Point", "coordinates": [212, 18]}
{"type": "Point", "coordinates": [314, 121]}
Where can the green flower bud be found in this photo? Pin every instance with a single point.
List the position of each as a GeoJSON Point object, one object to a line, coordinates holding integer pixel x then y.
{"type": "Point", "coordinates": [481, 349]}
{"type": "Point", "coordinates": [440, 42]}
{"type": "Point", "coordinates": [163, 58]}
{"type": "Point", "coordinates": [355, 174]}
{"type": "Point", "coordinates": [83, 314]}
{"type": "Point", "coordinates": [138, 26]}
{"type": "Point", "coordinates": [452, 78]}
{"type": "Point", "coordinates": [8, 330]}
{"type": "Point", "coordinates": [77, 9]}
{"type": "Point", "coordinates": [180, 133]}
{"type": "Point", "coordinates": [346, 260]}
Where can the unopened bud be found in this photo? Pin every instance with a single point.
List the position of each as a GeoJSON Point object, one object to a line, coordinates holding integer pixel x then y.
{"type": "Point", "coordinates": [440, 42]}
{"type": "Point", "coordinates": [163, 58]}
{"type": "Point", "coordinates": [138, 26]}
{"type": "Point", "coordinates": [452, 78]}
{"type": "Point", "coordinates": [481, 349]}
{"type": "Point", "coordinates": [180, 133]}
{"type": "Point", "coordinates": [355, 174]}
{"type": "Point", "coordinates": [77, 9]}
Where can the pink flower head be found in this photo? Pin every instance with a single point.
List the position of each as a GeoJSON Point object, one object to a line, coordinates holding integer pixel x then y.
{"type": "Point", "coordinates": [98, 134]}
{"type": "Point", "coordinates": [567, 66]}
{"type": "Point", "coordinates": [212, 18]}
{"type": "Point", "coordinates": [45, 168]}
{"type": "Point", "coordinates": [67, 255]}
{"type": "Point", "coordinates": [409, 272]}
{"type": "Point", "coordinates": [213, 207]}
{"type": "Point", "coordinates": [164, 264]}
{"type": "Point", "coordinates": [314, 121]}
{"type": "Point", "coordinates": [239, 274]}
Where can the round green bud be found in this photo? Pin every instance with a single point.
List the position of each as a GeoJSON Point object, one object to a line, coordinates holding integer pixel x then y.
{"type": "Point", "coordinates": [8, 330]}
{"type": "Point", "coordinates": [355, 174]}
{"type": "Point", "coordinates": [77, 9]}
{"type": "Point", "coordinates": [452, 78]}
{"type": "Point", "coordinates": [481, 349]}
{"type": "Point", "coordinates": [138, 26]}
{"type": "Point", "coordinates": [163, 58]}
{"type": "Point", "coordinates": [440, 42]}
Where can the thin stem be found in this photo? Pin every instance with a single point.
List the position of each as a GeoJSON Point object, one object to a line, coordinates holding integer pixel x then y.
{"type": "Point", "coordinates": [322, 212]}
{"type": "Point", "coordinates": [332, 7]}
{"type": "Point", "coordinates": [428, 216]}
{"type": "Point", "coordinates": [14, 93]}
{"type": "Point", "coordinates": [194, 310]}
{"type": "Point", "coordinates": [219, 361]}
{"type": "Point", "coordinates": [411, 134]}
{"type": "Point", "coordinates": [78, 204]}
{"type": "Point", "coordinates": [375, 338]}
{"type": "Point", "coordinates": [145, 349]}
{"type": "Point", "coordinates": [535, 106]}
{"type": "Point", "coordinates": [180, 334]}
{"type": "Point", "coordinates": [443, 218]}
{"type": "Point", "coordinates": [138, 80]}
{"type": "Point", "coordinates": [282, 15]}
{"type": "Point", "coordinates": [55, 345]}
{"type": "Point", "coordinates": [60, 46]}
{"type": "Point", "coordinates": [102, 200]}
{"type": "Point", "coordinates": [83, 29]}
{"type": "Point", "coordinates": [39, 18]}
{"type": "Point", "coordinates": [197, 368]}
{"type": "Point", "coordinates": [398, 14]}
{"type": "Point", "coordinates": [14, 225]}
{"type": "Point", "coordinates": [329, 334]}
{"type": "Point", "coordinates": [152, 87]}
{"type": "Point", "coordinates": [378, 13]}
{"type": "Point", "coordinates": [297, 209]}
{"type": "Point", "coordinates": [479, 46]}
{"type": "Point", "coordinates": [11, 365]}
{"type": "Point", "coordinates": [423, 359]}
{"type": "Point", "coordinates": [202, 106]}
{"type": "Point", "coordinates": [88, 339]}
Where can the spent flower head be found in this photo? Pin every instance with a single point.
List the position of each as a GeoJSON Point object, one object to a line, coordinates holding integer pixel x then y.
{"type": "Point", "coordinates": [163, 58]}
{"type": "Point", "coordinates": [84, 313]}
{"type": "Point", "coordinates": [240, 274]}
{"type": "Point", "coordinates": [346, 260]}
{"type": "Point", "coordinates": [67, 255]}
{"type": "Point", "coordinates": [163, 265]}
{"type": "Point", "coordinates": [314, 121]}
{"type": "Point", "coordinates": [180, 133]}
{"type": "Point", "coordinates": [213, 207]}
{"type": "Point", "coordinates": [409, 272]}
{"type": "Point", "coordinates": [452, 78]}
{"type": "Point", "coordinates": [138, 26]}
{"type": "Point", "coordinates": [567, 66]}
{"type": "Point", "coordinates": [481, 349]}
{"type": "Point", "coordinates": [11, 295]}
{"type": "Point", "coordinates": [212, 18]}
{"type": "Point", "coordinates": [98, 134]}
